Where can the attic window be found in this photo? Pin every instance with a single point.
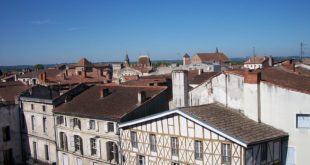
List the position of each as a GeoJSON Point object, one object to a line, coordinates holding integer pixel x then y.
{"type": "Point", "coordinates": [303, 121]}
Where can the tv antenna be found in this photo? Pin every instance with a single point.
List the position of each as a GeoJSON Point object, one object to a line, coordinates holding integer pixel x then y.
{"type": "Point", "coordinates": [302, 51]}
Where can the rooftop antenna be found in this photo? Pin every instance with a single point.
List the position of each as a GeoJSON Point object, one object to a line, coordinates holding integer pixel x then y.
{"type": "Point", "coordinates": [254, 54]}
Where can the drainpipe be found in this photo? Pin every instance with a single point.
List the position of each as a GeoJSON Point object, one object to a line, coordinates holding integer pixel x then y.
{"type": "Point", "coordinates": [226, 95]}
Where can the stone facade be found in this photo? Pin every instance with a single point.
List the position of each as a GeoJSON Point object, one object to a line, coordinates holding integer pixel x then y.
{"type": "Point", "coordinates": [10, 141]}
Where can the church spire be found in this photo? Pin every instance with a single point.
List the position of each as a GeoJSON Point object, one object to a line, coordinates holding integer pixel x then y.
{"type": "Point", "coordinates": [216, 50]}
{"type": "Point", "coordinates": [126, 61]}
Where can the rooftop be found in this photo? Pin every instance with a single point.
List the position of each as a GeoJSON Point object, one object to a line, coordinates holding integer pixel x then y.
{"type": "Point", "coordinates": [234, 123]}
{"type": "Point", "coordinates": [120, 101]}
{"type": "Point", "coordinates": [9, 90]}
{"type": "Point", "coordinates": [41, 92]}
{"type": "Point", "coordinates": [256, 60]}
{"type": "Point", "coordinates": [213, 57]}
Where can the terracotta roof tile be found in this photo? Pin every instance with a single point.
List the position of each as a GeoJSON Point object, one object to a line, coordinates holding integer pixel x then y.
{"type": "Point", "coordinates": [256, 60]}
{"type": "Point", "coordinates": [9, 90]}
{"type": "Point", "coordinates": [213, 57]}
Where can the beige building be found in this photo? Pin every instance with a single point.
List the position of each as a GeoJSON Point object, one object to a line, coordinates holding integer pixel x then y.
{"type": "Point", "coordinates": [87, 126]}
{"type": "Point", "coordinates": [203, 135]}
{"type": "Point", "coordinates": [37, 122]}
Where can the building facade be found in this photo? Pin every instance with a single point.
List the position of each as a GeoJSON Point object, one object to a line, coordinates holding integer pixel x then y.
{"type": "Point", "coordinates": [87, 126]}
{"type": "Point", "coordinates": [195, 136]}
{"type": "Point", "coordinates": [37, 122]}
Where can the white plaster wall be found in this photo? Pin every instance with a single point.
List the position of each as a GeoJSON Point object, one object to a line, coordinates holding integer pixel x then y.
{"type": "Point", "coordinates": [279, 107]}
{"type": "Point", "coordinates": [235, 88]}
{"type": "Point", "coordinates": [38, 135]}
{"type": "Point", "coordinates": [10, 117]}
{"type": "Point", "coordinates": [201, 95]}
{"type": "Point", "coordinates": [253, 66]}
{"type": "Point", "coordinates": [85, 133]}
{"type": "Point", "coordinates": [251, 101]}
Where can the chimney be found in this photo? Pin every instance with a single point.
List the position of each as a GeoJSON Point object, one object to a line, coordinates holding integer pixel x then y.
{"type": "Point", "coordinates": [252, 77]}
{"type": "Point", "coordinates": [30, 91]}
{"type": "Point", "coordinates": [104, 92]}
{"type": "Point", "coordinates": [180, 88]}
{"type": "Point", "coordinates": [200, 71]}
{"type": "Point", "coordinates": [42, 77]}
{"type": "Point", "coordinates": [84, 74]}
{"type": "Point", "coordinates": [66, 72]}
{"type": "Point", "coordinates": [64, 76]}
{"type": "Point", "coordinates": [141, 97]}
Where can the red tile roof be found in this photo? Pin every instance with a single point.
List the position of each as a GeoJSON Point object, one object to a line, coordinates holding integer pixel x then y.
{"type": "Point", "coordinates": [257, 60]}
{"type": "Point", "coordinates": [221, 57]}
{"type": "Point", "coordinates": [9, 90]}
{"type": "Point", "coordinates": [35, 74]}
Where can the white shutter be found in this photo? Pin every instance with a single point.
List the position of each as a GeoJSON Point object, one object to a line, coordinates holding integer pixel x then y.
{"type": "Point", "coordinates": [88, 147]}
{"type": "Point", "coordinates": [88, 124]}
{"type": "Point", "coordinates": [106, 127]}
{"type": "Point", "coordinates": [98, 147]}
{"type": "Point", "coordinates": [97, 126]}
{"type": "Point", "coordinates": [72, 142]}
{"type": "Point", "coordinates": [71, 123]}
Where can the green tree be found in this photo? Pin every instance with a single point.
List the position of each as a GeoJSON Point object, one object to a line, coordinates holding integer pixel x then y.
{"type": "Point", "coordinates": [38, 66]}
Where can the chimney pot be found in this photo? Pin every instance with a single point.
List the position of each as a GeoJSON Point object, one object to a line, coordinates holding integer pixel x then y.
{"type": "Point", "coordinates": [141, 97]}
{"type": "Point", "coordinates": [104, 92]}
{"type": "Point", "coordinates": [200, 71]}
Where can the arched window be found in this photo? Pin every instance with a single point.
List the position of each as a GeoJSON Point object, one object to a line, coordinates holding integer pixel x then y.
{"type": "Point", "coordinates": [63, 141]}
{"type": "Point", "coordinates": [112, 152]}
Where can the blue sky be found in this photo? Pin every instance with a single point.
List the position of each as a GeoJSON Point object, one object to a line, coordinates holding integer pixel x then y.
{"type": "Point", "coordinates": [42, 31]}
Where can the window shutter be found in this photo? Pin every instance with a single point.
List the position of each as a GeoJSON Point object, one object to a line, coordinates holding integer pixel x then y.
{"type": "Point", "coordinates": [88, 147]}
{"type": "Point", "coordinates": [71, 123]}
{"type": "Point", "coordinates": [98, 147]}
{"type": "Point", "coordinates": [72, 142]}
{"type": "Point", "coordinates": [88, 124]}
{"type": "Point", "coordinates": [97, 126]}
{"type": "Point", "coordinates": [116, 130]}
{"type": "Point", "coordinates": [106, 127]}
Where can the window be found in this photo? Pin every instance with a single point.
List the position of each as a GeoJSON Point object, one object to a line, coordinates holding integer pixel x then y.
{"type": "Point", "coordinates": [174, 146]}
{"type": "Point", "coordinates": [76, 123]}
{"type": "Point", "coordinates": [32, 107]}
{"type": "Point", "coordinates": [33, 122]}
{"type": "Point", "coordinates": [174, 163]}
{"type": "Point", "coordinates": [60, 120]}
{"type": "Point", "coordinates": [112, 151]}
{"type": "Point", "coordinates": [93, 146]}
{"type": "Point", "coordinates": [8, 156]}
{"type": "Point", "coordinates": [303, 121]}
{"type": "Point", "coordinates": [63, 141]}
{"type": "Point", "coordinates": [78, 144]}
{"type": "Point", "coordinates": [134, 140]}
{"type": "Point", "coordinates": [153, 142]}
{"type": "Point", "coordinates": [34, 147]}
{"type": "Point", "coordinates": [79, 161]}
{"type": "Point", "coordinates": [44, 124]}
{"type": "Point", "coordinates": [110, 127]}
{"type": "Point", "coordinates": [226, 153]}
{"type": "Point", "coordinates": [43, 108]}
{"type": "Point", "coordinates": [46, 152]}
{"type": "Point", "coordinates": [263, 154]}
{"type": "Point", "coordinates": [198, 150]}
{"type": "Point", "coordinates": [6, 133]}
{"type": "Point", "coordinates": [92, 124]}
{"type": "Point", "coordinates": [141, 160]}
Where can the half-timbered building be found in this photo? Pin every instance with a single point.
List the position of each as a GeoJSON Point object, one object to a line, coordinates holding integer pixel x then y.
{"type": "Point", "coordinates": [204, 135]}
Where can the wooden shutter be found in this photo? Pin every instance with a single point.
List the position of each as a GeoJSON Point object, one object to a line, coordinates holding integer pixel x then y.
{"type": "Point", "coordinates": [106, 127]}
{"type": "Point", "coordinates": [72, 143]}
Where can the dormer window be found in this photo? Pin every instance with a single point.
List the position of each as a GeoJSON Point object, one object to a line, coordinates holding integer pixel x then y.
{"type": "Point", "coordinates": [75, 122]}
{"type": "Point", "coordinates": [110, 127]}
{"type": "Point", "coordinates": [92, 124]}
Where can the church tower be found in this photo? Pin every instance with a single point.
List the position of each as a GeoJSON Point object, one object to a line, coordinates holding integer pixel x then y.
{"type": "Point", "coordinates": [126, 61]}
